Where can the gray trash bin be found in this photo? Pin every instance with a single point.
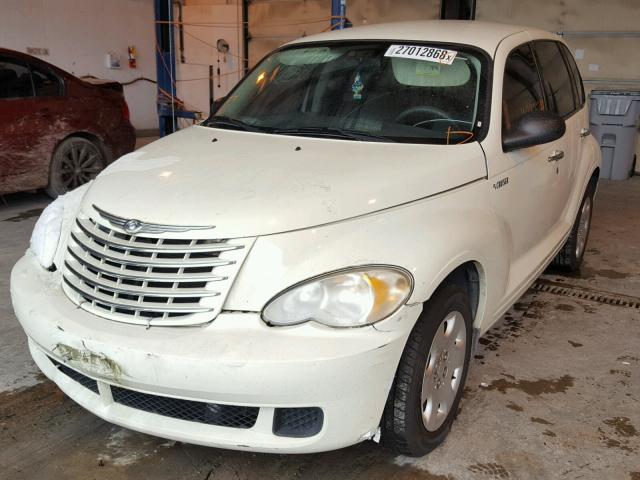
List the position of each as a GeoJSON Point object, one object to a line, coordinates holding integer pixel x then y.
{"type": "Point", "coordinates": [613, 118]}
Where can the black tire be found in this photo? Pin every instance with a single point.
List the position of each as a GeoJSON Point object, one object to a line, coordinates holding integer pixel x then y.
{"type": "Point", "coordinates": [75, 162]}
{"type": "Point", "coordinates": [403, 428]}
{"type": "Point", "coordinates": [570, 257]}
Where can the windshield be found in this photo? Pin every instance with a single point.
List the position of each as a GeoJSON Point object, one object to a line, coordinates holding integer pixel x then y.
{"type": "Point", "coordinates": [375, 91]}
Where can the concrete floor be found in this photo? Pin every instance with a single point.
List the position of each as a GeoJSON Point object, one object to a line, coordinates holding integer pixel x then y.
{"type": "Point", "coordinates": [554, 390]}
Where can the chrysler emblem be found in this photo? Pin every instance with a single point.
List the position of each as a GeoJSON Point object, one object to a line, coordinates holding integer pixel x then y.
{"type": "Point", "coordinates": [132, 226]}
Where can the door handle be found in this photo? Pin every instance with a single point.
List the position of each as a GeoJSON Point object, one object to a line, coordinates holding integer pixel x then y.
{"type": "Point", "coordinates": [585, 132]}
{"type": "Point", "coordinates": [556, 155]}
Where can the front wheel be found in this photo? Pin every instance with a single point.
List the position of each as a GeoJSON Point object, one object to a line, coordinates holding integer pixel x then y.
{"type": "Point", "coordinates": [572, 253]}
{"type": "Point", "coordinates": [75, 162]}
{"type": "Point", "coordinates": [424, 399]}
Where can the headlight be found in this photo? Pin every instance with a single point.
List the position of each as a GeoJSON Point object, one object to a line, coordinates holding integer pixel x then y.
{"type": "Point", "coordinates": [349, 298]}
{"type": "Point", "coordinates": [46, 233]}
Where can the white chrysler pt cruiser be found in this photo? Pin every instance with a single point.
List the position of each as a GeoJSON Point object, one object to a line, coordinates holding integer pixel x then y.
{"type": "Point", "coordinates": [312, 266]}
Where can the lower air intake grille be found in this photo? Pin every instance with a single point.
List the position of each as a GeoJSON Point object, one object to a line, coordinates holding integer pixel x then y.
{"type": "Point", "coordinates": [210, 413]}
{"type": "Point", "coordinates": [297, 422]}
{"type": "Point", "coordinates": [83, 380]}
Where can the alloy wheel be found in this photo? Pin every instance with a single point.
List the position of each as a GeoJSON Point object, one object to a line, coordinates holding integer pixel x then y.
{"type": "Point", "coordinates": [80, 163]}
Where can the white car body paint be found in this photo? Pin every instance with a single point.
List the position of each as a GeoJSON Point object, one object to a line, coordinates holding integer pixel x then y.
{"type": "Point", "coordinates": [303, 212]}
{"type": "Point", "coordinates": [259, 184]}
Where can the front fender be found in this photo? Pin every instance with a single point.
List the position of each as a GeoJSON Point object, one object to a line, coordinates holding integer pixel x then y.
{"type": "Point", "coordinates": [429, 238]}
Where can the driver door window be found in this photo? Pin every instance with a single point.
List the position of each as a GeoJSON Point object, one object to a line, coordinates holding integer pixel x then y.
{"type": "Point", "coordinates": [557, 82]}
{"type": "Point", "coordinates": [521, 91]}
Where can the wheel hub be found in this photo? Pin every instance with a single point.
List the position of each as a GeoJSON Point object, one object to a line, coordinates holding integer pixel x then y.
{"type": "Point", "coordinates": [443, 371]}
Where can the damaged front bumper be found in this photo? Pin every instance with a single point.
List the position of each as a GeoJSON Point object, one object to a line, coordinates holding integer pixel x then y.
{"type": "Point", "coordinates": [118, 371]}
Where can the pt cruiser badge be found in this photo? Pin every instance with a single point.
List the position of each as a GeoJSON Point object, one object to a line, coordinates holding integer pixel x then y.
{"type": "Point", "coordinates": [501, 183]}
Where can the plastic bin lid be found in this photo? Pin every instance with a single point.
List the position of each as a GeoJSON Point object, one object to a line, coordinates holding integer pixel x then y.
{"type": "Point", "coordinates": [616, 92]}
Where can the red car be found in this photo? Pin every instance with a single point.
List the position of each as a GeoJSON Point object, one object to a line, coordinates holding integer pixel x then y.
{"type": "Point", "coordinates": [56, 131]}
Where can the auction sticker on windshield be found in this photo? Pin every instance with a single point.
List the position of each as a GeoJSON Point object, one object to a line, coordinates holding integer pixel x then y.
{"type": "Point", "coordinates": [416, 52]}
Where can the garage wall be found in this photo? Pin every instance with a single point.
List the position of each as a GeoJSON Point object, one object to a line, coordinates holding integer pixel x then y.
{"type": "Point", "coordinates": [206, 22]}
{"type": "Point", "coordinates": [609, 61]}
{"type": "Point", "coordinates": [80, 33]}
{"type": "Point", "coordinates": [363, 12]}
{"type": "Point", "coordinates": [273, 23]}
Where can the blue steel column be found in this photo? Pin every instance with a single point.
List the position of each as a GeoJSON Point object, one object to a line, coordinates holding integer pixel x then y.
{"type": "Point", "coordinates": [165, 63]}
{"type": "Point", "coordinates": [338, 9]}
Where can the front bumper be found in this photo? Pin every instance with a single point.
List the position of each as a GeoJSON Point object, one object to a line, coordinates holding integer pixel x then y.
{"type": "Point", "coordinates": [235, 360]}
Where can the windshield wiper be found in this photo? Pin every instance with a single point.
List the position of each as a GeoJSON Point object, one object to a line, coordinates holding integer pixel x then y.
{"type": "Point", "coordinates": [333, 132]}
{"type": "Point", "coordinates": [228, 122]}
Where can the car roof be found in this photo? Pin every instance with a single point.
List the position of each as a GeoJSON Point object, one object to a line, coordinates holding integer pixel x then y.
{"type": "Point", "coordinates": [484, 35]}
{"type": "Point", "coordinates": [25, 57]}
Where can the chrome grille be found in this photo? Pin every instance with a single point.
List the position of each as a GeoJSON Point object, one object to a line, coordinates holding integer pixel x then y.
{"type": "Point", "coordinates": [150, 279]}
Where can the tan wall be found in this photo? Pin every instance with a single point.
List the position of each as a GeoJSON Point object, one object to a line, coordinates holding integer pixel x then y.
{"type": "Point", "coordinates": [557, 15]}
{"type": "Point", "coordinates": [610, 62]}
{"type": "Point", "coordinates": [272, 24]}
{"type": "Point", "coordinates": [194, 3]}
{"type": "Point", "coordinates": [206, 23]}
{"type": "Point", "coordinates": [362, 12]}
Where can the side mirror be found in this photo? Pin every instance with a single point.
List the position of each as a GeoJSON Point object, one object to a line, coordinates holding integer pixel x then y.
{"type": "Point", "coordinates": [534, 128]}
{"type": "Point", "coordinates": [216, 104]}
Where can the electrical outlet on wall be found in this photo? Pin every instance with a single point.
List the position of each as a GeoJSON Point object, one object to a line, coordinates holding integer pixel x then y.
{"type": "Point", "coordinates": [113, 61]}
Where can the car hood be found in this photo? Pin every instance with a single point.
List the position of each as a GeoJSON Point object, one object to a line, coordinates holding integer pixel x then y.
{"type": "Point", "coordinates": [249, 184]}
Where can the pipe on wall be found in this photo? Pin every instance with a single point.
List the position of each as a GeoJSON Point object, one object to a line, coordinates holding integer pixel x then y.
{"type": "Point", "coordinates": [180, 29]}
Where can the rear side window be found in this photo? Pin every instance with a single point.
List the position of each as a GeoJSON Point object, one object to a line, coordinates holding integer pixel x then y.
{"type": "Point", "coordinates": [557, 82]}
{"type": "Point", "coordinates": [521, 91]}
{"type": "Point", "coordinates": [45, 83]}
{"type": "Point", "coordinates": [575, 73]}
{"type": "Point", "coordinates": [15, 80]}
